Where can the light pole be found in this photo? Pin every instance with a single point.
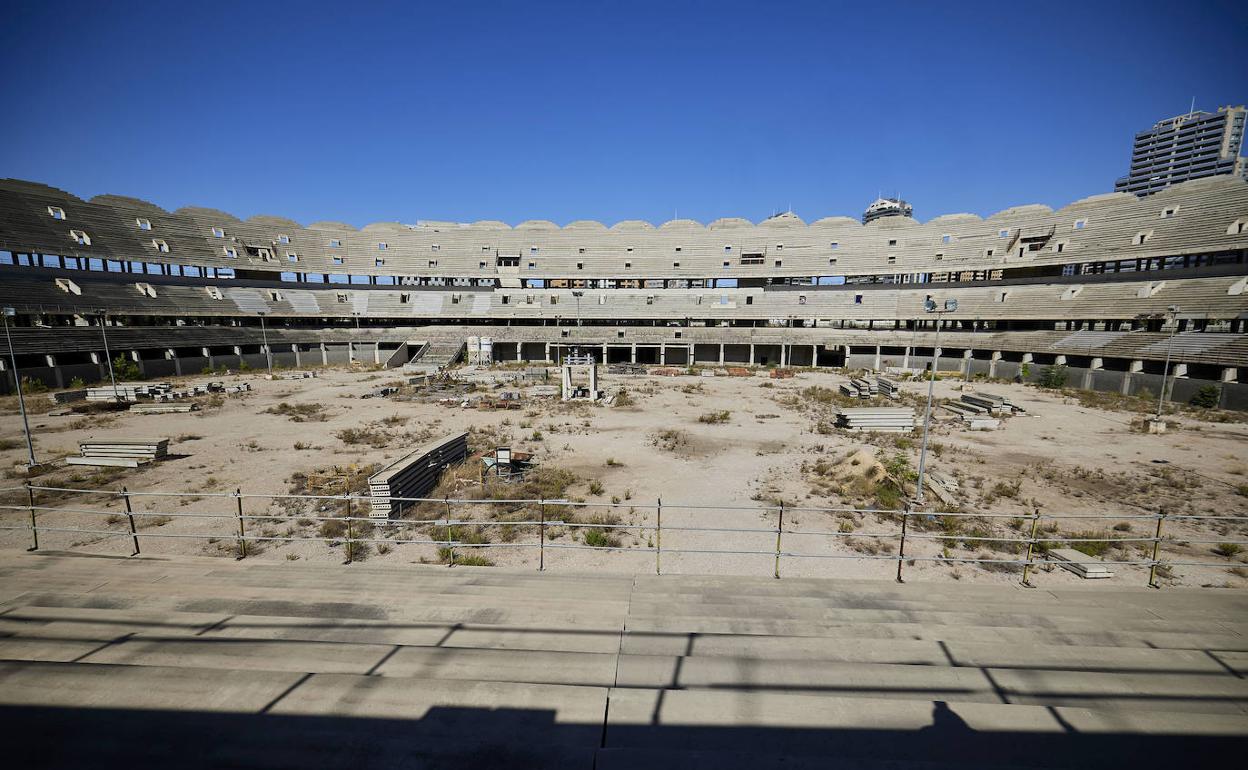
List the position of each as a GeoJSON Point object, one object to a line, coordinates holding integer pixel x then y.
{"type": "Point", "coordinates": [357, 320]}
{"type": "Point", "coordinates": [1173, 312]}
{"type": "Point", "coordinates": [17, 383]}
{"type": "Point", "coordinates": [578, 295]}
{"type": "Point", "coordinates": [107, 355]}
{"type": "Point", "coordinates": [951, 305]}
{"type": "Point", "coordinates": [268, 354]}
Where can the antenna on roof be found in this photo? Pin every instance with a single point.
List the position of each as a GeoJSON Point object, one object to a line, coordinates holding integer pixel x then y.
{"type": "Point", "coordinates": [1192, 109]}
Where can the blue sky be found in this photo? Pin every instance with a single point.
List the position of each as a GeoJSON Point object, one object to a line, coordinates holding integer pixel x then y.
{"type": "Point", "coordinates": [365, 112]}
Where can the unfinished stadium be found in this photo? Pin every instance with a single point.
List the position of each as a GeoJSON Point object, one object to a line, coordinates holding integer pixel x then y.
{"type": "Point", "coordinates": [638, 496]}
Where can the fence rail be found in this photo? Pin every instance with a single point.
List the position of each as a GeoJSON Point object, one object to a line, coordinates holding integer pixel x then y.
{"type": "Point", "coordinates": [364, 529]}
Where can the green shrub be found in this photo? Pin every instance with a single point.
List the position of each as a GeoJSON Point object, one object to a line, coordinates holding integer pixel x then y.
{"type": "Point", "coordinates": [1207, 397]}
{"type": "Point", "coordinates": [1054, 376]}
{"type": "Point", "coordinates": [713, 418]}
{"type": "Point", "coordinates": [333, 528]}
{"type": "Point", "coordinates": [1227, 550]}
{"type": "Point", "coordinates": [595, 487]}
{"type": "Point", "coordinates": [125, 369]}
{"type": "Point", "coordinates": [599, 538]}
{"type": "Point", "coordinates": [77, 383]}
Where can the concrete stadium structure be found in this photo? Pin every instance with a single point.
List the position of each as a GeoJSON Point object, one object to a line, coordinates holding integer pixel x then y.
{"type": "Point", "coordinates": [1088, 285]}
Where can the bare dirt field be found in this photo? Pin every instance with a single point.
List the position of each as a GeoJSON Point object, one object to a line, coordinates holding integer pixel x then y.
{"type": "Point", "coordinates": [720, 451]}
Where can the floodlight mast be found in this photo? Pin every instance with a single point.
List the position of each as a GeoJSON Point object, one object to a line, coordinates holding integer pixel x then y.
{"type": "Point", "coordinates": [1173, 312]}
{"type": "Point", "coordinates": [929, 305]}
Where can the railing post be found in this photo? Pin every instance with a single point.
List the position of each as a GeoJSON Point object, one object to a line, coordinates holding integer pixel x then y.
{"type": "Point", "coordinates": [901, 549]}
{"type": "Point", "coordinates": [1031, 548]}
{"type": "Point", "coordinates": [350, 544]}
{"type": "Point", "coordinates": [134, 534]}
{"type": "Point", "coordinates": [658, 537]}
{"type": "Point", "coordinates": [541, 530]}
{"type": "Point", "coordinates": [779, 529]}
{"type": "Point", "coordinates": [34, 526]}
{"type": "Point", "coordinates": [450, 534]}
{"type": "Point", "coordinates": [1152, 570]}
{"type": "Point", "coordinates": [242, 532]}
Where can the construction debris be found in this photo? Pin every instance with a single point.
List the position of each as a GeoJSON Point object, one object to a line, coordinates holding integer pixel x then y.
{"type": "Point", "coordinates": [877, 420]}
{"type": "Point", "coordinates": [293, 375]}
{"type": "Point", "coordinates": [382, 392]}
{"type": "Point", "coordinates": [782, 374]}
{"type": "Point", "coordinates": [576, 363]}
{"type": "Point", "coordinates": [162, 408]}
{"type": "Point", "coordinates": [414, 474]}
{"type": "Point", "coordinates": [889, 388]}
{"type": "Point", "coordinates": [505, 464]}
{"type": "Point", "coordinates": [120, 452]}
{"type": "Point", "coordinates": [128, 391]}
{"type": "Point", "coordinates": [633, 369]}
{"type": "Point", "coordinates": [1083, 565]}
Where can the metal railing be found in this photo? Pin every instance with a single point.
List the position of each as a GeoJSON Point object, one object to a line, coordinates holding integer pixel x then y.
{"type": "Point", "coordinates": [1018, 550]}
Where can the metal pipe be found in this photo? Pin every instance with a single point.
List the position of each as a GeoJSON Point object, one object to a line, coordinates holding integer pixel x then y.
{"type": "Point", "coordinates": [927, 417]}
{"type": "Point", "coordinates": [1152, 569]}
{"type": "Point", "coordinates": [268, 353]}
{"type": "Point", "coordinates": [779, 530]}
{"type": "Point", "coordinates": [17, 383]}
{"type": "Point", "coordinates": [1173, 310]}
{"type": "Point", "coordinates": [108, 356]}
{"type": "Point", "coordinates": [134, 534]}
{"type": "Point", "coordinates": [242, 535]}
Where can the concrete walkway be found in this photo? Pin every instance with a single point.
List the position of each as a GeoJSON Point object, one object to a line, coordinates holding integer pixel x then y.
{"type": "Point", "coordinates": [196, 662]}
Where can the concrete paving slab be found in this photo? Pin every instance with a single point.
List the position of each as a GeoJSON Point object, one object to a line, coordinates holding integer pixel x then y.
{"type": "Point", "coordinates": [250, 655]}
{"type": "Point", "coordinates": [536, 666]}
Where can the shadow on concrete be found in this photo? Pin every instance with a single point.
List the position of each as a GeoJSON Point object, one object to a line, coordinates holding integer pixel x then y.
{"type": "Point", "coordinates": [463, 738]}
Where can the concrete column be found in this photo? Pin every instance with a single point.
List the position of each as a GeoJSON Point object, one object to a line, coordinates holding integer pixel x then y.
{"type": "Point", "coordinates": [662, 354]}
{"type": "Point", "coordinates": [519, 351]}
{"type": "Point", "coordinates": [1135, 366]}
{"type": "Point", "coordinates": [1178, 370]}
{"type": "Point", "coordinates": [376, 352]}
{"type": "Point", "coordinates": [721, 354]}
{"type": "Point", "coordinates": [57, 374]}
{"type": "Point", "coordinates": [324, 355]}
{"type": "Point", "coordinates": [967, 356]}
{"type": "Point", "coordinates": [207, 353]}
{"type": "Point", "coordinates": [238, 350]}
{"type": "Point", "coordinates": [172, 355]}
{"type": "Point", "coordinates": [876, 364]}
{"type": "Point", "coordinates": [547, 359]}
{"type": "Point", "coordinates": [992, 363]}
{"type": "Point", "coordinates": [298, 356]}
{"type": "Point", "coordinates": [1028, 358]}
{"type": "Point", "coordinates": [905, 358]}
{"type": "Point", "coordinates": [1229, 374]}
{"type": "Point", "coordinates": [632, 353]}
{"type": "Point", "coordinates": [751, 354]}
{"type": "Point", "coordinates": [689, 355]}
{"type": "Point", "coordinates": [784, 355]}
{"type": "Point", "coordinates": [1096, 363]}
{"type": "Point", "coordinates": [604, 354]}
{"type": "Point", "coordinates": [350, 352]}
{"type": "Point", "coordinates": [1059, 361]}
{"type": "Point", "coordinates": [814, 356]}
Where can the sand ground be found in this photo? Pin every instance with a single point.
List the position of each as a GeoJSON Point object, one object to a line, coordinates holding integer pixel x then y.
{"type": "Point", "coordinates": [775, 444]}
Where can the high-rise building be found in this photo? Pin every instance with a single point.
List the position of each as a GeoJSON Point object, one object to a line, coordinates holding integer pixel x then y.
{"type": "Point", "coordinates": [887, 207]}
{"type": "Point", "coordinates": [1190, 146]}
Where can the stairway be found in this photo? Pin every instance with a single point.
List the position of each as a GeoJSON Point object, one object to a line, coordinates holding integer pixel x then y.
{"type": "Point", "coordinates": [435, 356]}
{"type": "Point", "coordinates": [200, 662]}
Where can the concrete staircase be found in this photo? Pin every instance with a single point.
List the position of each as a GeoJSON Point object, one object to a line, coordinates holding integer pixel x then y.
{"type": "Point", "coordinates": [435, 356]}
{"type": "Point", "coordinates": [196, 662]}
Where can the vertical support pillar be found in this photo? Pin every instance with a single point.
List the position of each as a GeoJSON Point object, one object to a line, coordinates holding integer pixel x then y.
{"type": "Point", "coordinates": [242, 534]}
{"type": "Point", "coordinates": [662, 354]}
{"type": "Point", "coordinates": [547, 359]}
{"type": "Point", "coordinates": [814, 356]}
{"type": "Point", "coordinates": [34, 526]}
{"type": "Point", "coordinates": [658, 537]}
{"type": "Point", "coordinates": [784, 357]}
{"type": "Point", "coordinates": [172, 355]}
{"type": "Point", "coordinates": [992, 363]}
{"type": "Point", "coordinates": [779, 530]}
{"type": "Point", "coordinates": [1152, 569]}
{"type": "Point", "coordinates": [134, 534]}
{"type": "Point", "coordinates": [632, 353]}
{"type": "Point", "coordinates": [519, 351]}
{"type": "Point", "coordinates": [901, 549]}
{"type": "Point", "coordinates": [57, 375]}
{"type": "Point", "coordinates": [1031, 547]}
{"type": "Point", "coordinates": [721, 354]}
{"type": "Point", "coordinates": [905, 358]}
{"type": "Point", "coordinates": [541, 526]}
{"type": "Point", "coordinates": [324, 355]}
{"type": "Point", "coordinates": [298, 356]}
{"type": "Point", "coordinates": [376, 352]}
{"type": "Point", "coordinates": [604, 353]}
{"type": "Point", "coordinates": [751, 354]}
{"type": "Point", "coordinates": [593, 382]}
{"type": "Point", "coordinates": [876, 363]}
{"type": "Point", "coordinates": [450, 534]}
{"type": "Point", "coordinates": [207, 353]}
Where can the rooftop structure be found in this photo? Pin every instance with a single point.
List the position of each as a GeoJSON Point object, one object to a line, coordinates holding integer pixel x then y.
{"type": "Point", "coordinates": [886, 207]}
{"type": "Point", "coordinates": [1194, 145]}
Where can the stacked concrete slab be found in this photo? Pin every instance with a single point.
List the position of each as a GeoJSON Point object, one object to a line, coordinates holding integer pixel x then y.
{"type": "Point", "coordinates": [415, 474]}
{"type": "Point", "coordinates": [877, 420]}
{"type": "Point", "coordinates": [199, 662]}
{"type": "Point", "coordinates": [120, 452]}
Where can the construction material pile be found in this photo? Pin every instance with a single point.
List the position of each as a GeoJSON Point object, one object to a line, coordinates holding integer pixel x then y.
{"type": "Point", "coordinates": [876, 420]}
{"type": "Point", "coordinates": [120, 452]}
{"type": "Point", "coordinates": [889, 388]}
{"type": "Point", "coordinates": [128, 391]}
{"type": "Point", "coordinates": [294, 375]}
{"type": "Point", "coordinates": [162, 408]}
{"type": "Point", "coordinates": [1086, 567]}
{"type": "Point", "coordinates": [979, 410]}
{"type": "Point", "coordinates": [415, 474]}
{"type": "Point", "coordinates": [860, 387]}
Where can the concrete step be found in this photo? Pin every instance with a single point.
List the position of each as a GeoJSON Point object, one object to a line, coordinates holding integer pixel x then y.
{"type": "Point", "coordinates": [1018, 654]}
{"type": "Point", "coordinates": [917, 730]}
{"type": "Point", "coordinates": [1167, 638]}
{"type": "Point", "coordinates": [1214, 693]}
{"type": "Point", "coordinates": [709, 759]}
